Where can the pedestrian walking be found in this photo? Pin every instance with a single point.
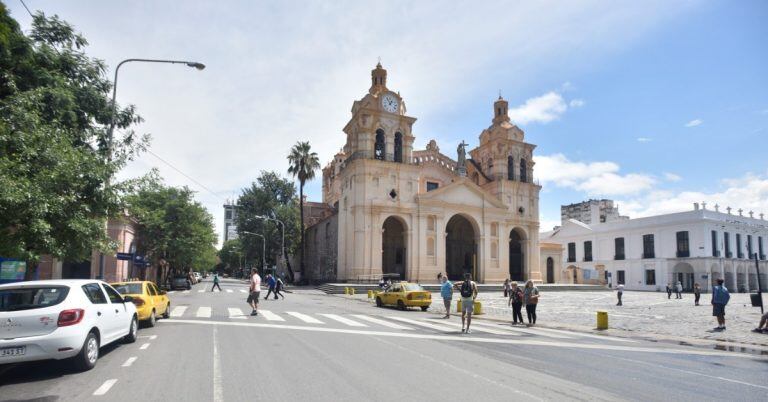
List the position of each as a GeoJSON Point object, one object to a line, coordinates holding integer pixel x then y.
{"type": "Point", "coordinates": [216, 282]}
{"type": "Point", "coordinates": [679, 290]}
{"type": "Point", "coordinates": [619, 293]}
{"type": "Point", "coordinates": [468, 294]}
{"type": "Point", "coordinates": [696, 293]}
{"type": "Point", "coordinates": [506, 288]}
{"type": "Point", "coordinates": [254, 291]}
{"type": "Point", "coordinates": [762, 328]}
{"type": "Point", "coordinates": [720, 297]}
{"type": "Point", "coordinates": [516, 301]}
{"type": "Point", "coordinates": [271, 283]}
{"type": "Point", "coordinates": [531, 299]}
{"type": "Point", "coordinates": [669, 292]}
{"type": "Point", "coordinates": [382, 284]}
{"type": "Point", "coordinates": [446, 292]}
{"type": "Point", "coordinates": [279, 285]}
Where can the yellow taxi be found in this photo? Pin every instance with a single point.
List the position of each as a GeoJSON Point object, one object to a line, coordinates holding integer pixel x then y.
{"type": "Point", "coordinates": [404, 295]}
{"type": "Point", "coordinates": [150, 301]}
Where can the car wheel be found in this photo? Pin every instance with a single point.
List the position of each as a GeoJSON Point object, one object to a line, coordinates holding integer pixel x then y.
{"type": "Point", "coordinates": [167, 313]}
{"type": "Point", "coordinates": [89, 354]}
{"type": "Point", "coordinates": [424, 308]}
{"type": "Point", "coordinates": [133, 332]}
{"type": "Point", "coordinates": [152, 319]}
{"type": "Point", "coordinates": [401, 305]}
{"type": "Point", "coordinates": [379, 303]}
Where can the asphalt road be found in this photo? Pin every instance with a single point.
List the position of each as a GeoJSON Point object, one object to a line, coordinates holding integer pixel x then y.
{"type": "Point", "coordinates": [327, 348]}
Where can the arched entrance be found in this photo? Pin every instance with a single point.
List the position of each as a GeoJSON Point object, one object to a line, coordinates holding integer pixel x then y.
{"type": "Point", "coordinates": [683, 273]}
{"type": "Point", "coordinates": [393, 249]}
{"type": "Point", "coordinates": [516, 256]}
{"type": "Point", "coordinates": [550, 270]}
{"type": "Point", "coordinates": [460, 248]}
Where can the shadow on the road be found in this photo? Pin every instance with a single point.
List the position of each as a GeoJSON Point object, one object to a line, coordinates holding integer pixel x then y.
{"type": "Point", "coordinates": [49, 398]}
{"type": "Point", "coordinates": [44, 370]}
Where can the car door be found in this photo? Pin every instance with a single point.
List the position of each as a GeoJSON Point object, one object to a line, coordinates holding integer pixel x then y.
{"type": "Point", "coordinates": [119, 313]}
{"type": "Point", "coordinates": [161, 302]}
{"type": "Point", "coordinates": [99, 302]}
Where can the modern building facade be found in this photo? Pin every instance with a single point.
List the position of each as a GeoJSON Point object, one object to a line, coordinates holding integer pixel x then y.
{"type": "Point", "coordinates": [591, 211]}
{"type": "Point", "coordinates": [416, 213]}
{"type": "Point", "coordinates": [230, 221]}
{"type": "Point", "coordinates": [697, 246]}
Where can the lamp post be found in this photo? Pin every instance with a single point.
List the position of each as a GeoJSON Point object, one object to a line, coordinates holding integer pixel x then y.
{"type": "Point", "coordinates": [263, 248]}
{"type": "Point", "coordinates": [110, 132]}
{"type": "Point", "coordinates": [282, 229]}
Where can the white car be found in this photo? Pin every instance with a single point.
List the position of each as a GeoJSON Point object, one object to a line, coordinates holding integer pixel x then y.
{"type": "Point", "coordinates": [198, 277]}
{"type": "Point", "coordinates": [61, 319]}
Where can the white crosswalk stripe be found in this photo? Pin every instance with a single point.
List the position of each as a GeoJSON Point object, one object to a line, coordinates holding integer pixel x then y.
{"type": "Point", "coordinates": [381, 322]}
{"type": "Point", "coordinates": [201, 291]}
{"type": "Point", "coordinates": [229, 290]}
{"type": "Point", "coordinates": [540, 332]}
{"type": "Point", "coordinates": [186, 291]}
{"type": "Point", "coordinates": [171, 292]}
{"type": "Point", "coordinates": [491, 329]}
{"type": "Point", "coordinates": [343, 320]}
{"type": "Point", "coordinates": [305, 318]}
{"type": "Point", "coordinates": [242, 290]}
{"type": "Point", "coordinates": [216, 290]}
{"type": "Point", "coordinates": [270, 316]}
{"type": "Point", "coordinates": [178, 311]}
{"type": "Point", "coordinates": [203, 312]}
{"type": "Point", "coordinates": [235, 312]}
{"type": "Point", "coordinates": [425, 324]}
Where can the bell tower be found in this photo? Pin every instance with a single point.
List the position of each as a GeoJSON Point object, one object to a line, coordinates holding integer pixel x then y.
{"type": "Point", "coordinates": [500, 110]}
{"type": "Point", "coordinates": [378, 80]}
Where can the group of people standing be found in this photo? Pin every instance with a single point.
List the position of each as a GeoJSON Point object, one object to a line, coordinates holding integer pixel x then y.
{"type": "Point", "coordinates": [517, 297]}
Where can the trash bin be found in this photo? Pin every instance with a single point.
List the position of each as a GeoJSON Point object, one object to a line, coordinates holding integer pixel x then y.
{"type": "Point", "coordinates": [757, 299]}
{"type": "Point", "coordinates": [602, 320]}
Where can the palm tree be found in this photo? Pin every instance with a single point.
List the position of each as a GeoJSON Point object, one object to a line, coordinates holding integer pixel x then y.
{"type": "Point", "coordinates": [303, 164]}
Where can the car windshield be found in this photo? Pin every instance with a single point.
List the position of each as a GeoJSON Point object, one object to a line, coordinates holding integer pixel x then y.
{"type": "Point", "coordinates": [128, 288]}
{"type": "Point", "coordinates": [31, 298]}
{"type": "Point", "coordinates": [413, 287]}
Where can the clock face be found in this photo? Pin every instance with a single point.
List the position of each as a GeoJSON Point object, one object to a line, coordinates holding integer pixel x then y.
{"type": "Point", "coordinates": [389, 103]}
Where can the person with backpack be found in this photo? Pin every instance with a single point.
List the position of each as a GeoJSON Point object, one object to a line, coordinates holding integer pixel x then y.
{"type": "Point", "coordinates": [669, 292]}
{"type": "Point", "coordinates": [516, 301]}
{"type": "Point", "coordinates": [271, 283]}
{"type": "Point", "coordinates": [279, 286]}
{"type": "Point", "coordinates": [720, 297]}
{"type": "Point", "coordinates": [216, 282]}
{"type": "Point", "coordinates": [679, 290]}
{"type": "Point", "coordinates": [531, 299]}
{"type": "Point", "coordinates": [468, 294]}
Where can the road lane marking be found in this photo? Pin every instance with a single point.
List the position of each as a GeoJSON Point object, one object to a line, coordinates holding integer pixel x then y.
{"type": "Point", "coordinates": [235, 312]}
{"type": "Point", "coordinates": [218, 393]}
{"type": "Point", "coordinates": [229, 290]}
{"type": "Point", "coordinates": [216, 290]}
{"type": "Point", "coordinates": [343, 320]}
{"type": "Point", "coordinates": [150, 337]}
{"type": "Point", "coordinates": [130, 361]}
{"type": "Point", "coordinates": [178, 311]}
{"type": "Point", "coordinates": [582, 335]}
{"type": "Point", "coordinates": [305, 318]}
{"type": "Point", "coordinates": [270, 316]}
{"type": "Point", "coordinates": [443, 328]}
{"type": "Point", "coordinates": [203, 312]}
{"type": "Point", "coordinates": [104, 388]}
{"type": "Point", "coordinates": [201, 291]}
{"type": "Point", "coordinates": [540, 333]}
{"type": "Point", "coordinates": [242, 290]}
{"type": "Point", "coordinates": [185, 292]}
{"type": "Point", "coordinates": [144, 346]}
{"type": "Point", "coordinates": [490, 329]}
{"type": "Point", "coordinates": [381, 322]}
{"type": "Point", "coordinates": [468, 338]}
{"type": "Point", "coordinates": [171, 292]}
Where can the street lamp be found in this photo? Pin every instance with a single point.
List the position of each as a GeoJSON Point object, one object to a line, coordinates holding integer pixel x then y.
{"type": "Point", "coordinates": [110, 132]}
{"type": "Point", "coordinates": [263, 248]}
{"type": "Point", "coordinates": [282, 229]}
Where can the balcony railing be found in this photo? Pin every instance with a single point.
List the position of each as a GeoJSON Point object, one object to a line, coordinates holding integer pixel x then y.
{"type": "Point", "coordinates": [716, 253]}
{"type": "Point", "coordinates": [683, 254]}
{"type": "Point", "coordinates": [618, 257]}
{"type": "Point", "coordinates": [588, 258]}
{"type": "Point", "coordinates": [739, 255]}
{"type": "Point", "coordinates": [728, 254]}
{"type": "Point", "coordinates": [571, 259]}
{"type": "Point", "coordinates": [649, 255]}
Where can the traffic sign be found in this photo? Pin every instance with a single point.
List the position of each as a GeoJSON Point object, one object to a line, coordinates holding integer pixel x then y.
{"type": "Point", "coordinates": [125, 256]}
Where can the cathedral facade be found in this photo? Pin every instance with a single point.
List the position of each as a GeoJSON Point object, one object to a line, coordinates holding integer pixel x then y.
{"type": "Point", "coordinates": [411, 214]}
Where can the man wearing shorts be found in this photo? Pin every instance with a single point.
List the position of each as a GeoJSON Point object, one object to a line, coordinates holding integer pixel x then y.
{"type": "Point", "coordinates": [720, 297]}
{"type": "Point", "coordinates": [253, 296]}
{"type": "Point", "coordinates": [468, 291]}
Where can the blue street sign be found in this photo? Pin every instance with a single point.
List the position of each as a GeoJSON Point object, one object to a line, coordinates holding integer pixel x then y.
{"type": "Point", "coordinates": [138, 259]}
{"type": "Point", "coordinates": [125, 256]}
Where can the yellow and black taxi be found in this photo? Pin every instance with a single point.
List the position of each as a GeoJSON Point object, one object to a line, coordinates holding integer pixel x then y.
{"type": "Point", "coordinates": [150, 301]}
{"type": "Point", "coordinates": [404, 295]}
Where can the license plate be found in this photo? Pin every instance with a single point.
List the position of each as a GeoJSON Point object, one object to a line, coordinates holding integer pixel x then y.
{"type": "Point", "coordinates": [14, 351]}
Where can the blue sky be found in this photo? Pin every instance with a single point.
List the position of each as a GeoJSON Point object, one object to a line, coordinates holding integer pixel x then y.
{"type": "Point", "coordinates": [655, 104]}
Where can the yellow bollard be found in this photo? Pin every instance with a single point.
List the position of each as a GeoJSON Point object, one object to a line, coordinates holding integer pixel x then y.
{"type": "Point", "coordinates": [477, 309]}
{"type": "Point", "coordinates": [602, 320]}
{"type": "Point", "coordinates": [458, 306]}
{"type": "Point", "coordinates": [351, 291]}
{"type": "Point", "coordinates": [370, 294]}
{"type": "Point", "coordinates": [346, 290]}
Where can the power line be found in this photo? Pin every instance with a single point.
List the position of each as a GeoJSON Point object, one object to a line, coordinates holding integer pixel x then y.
{"type": "Point", "coordinates": [185, 175]}
{"type": "Point", "coordinates": [25, 6]}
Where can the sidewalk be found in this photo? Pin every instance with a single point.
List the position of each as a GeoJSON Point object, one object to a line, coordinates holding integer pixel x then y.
{"type": "Point", "coordinates": [647, 315]}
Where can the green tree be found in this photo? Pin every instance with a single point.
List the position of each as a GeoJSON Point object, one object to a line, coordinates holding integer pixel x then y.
{"type": "Point", "coordinates": [274, 197]}
{"type": "Point", "coordinates": [303, 164]}
{"type": "Point", "coordinates": [230, 254]}
{"type": "Point", "coordinates": [175, 231]}
{"type": "Point", "coordinates": [54, 114]}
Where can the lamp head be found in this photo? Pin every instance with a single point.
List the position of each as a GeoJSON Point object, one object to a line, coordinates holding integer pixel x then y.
{"type": "Point", "coordinates": [199, 66]}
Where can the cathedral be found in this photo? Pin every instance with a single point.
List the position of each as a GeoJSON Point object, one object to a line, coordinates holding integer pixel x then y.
{"type": "Point", "coordinates": [411, 214]}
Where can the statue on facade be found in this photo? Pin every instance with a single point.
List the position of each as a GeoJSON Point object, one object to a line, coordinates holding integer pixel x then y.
{"type": "Point", "coordinates": [461, 165]}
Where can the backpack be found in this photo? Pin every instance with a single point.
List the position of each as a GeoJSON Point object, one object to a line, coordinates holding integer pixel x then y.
{"type": "Point", "coordinates": [466, 289]}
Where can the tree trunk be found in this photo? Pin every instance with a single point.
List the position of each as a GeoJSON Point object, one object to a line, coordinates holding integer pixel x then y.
{"type": "Point", "coordinates": [301, 217]}
{"type": "Point", "coordinates": [288, 265]}
{"type": "Point", "coordinates": [29, 271]}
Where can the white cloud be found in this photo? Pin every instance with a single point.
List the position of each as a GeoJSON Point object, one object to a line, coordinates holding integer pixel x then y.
{"type": "Point", "coordinates": [576, 103]}
{"type": "Point", "coordinates": [644, 139]}
{"type": "Point", "coordinates": [593, 178]}
{"type": "Point", "coordinates": [694, 123]}
{"type": "Point", "coordinates": [541, 109]}
{"type": "Point", "coordinates": [672, 177]}
{"type": "Point", "coordinates": [748, 193]}
{"type": "Point", "coordinates": [567, 86]}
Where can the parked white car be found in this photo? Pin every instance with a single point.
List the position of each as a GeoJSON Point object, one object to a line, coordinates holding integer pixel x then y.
{"type": "Point", "coordinates": [62, 319]}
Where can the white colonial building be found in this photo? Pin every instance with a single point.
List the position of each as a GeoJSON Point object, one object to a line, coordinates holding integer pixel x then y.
{"type": "Point", "coordinates": [697, 246]}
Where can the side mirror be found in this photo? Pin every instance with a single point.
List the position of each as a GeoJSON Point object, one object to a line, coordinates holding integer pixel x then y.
{"type": "Point", "coordinates": [127, 299]}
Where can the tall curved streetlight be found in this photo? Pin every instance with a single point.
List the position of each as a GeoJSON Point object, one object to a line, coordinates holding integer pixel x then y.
{"type": "Point", "coordinates": [110, 132]}
{"type": "Point", "coordinates": [263, 248]}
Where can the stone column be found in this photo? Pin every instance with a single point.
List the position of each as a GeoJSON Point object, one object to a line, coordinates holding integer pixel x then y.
{"type": "Point", "coordinates": [389, 147]}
